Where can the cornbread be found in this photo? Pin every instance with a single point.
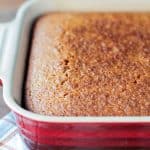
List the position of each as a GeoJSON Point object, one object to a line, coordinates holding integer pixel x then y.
{"type": "Point", "coordinates": [90, 64]}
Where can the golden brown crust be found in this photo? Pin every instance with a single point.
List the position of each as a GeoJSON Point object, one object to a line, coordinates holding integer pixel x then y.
{"type": "Point", "coordinates": [92, 64]}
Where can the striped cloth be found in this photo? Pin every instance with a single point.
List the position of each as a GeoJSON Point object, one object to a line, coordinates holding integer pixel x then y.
{"type": "Point", "coordinates": [9, 136]}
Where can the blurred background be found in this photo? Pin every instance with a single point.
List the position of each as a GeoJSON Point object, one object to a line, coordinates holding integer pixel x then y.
{"type": "Point", "coordinates": [8, 10]}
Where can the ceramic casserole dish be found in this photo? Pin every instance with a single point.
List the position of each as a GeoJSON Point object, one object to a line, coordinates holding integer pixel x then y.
{"type": "Point", "coordinates": [40, 131]}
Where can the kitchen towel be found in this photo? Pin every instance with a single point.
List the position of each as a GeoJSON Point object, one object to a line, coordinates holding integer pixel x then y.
{"type": "Point", "coordinates": [9, 135]}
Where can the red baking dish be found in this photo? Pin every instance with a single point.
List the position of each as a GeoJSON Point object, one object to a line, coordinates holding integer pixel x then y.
{"type": "Point", "coordinates": [41, 132]}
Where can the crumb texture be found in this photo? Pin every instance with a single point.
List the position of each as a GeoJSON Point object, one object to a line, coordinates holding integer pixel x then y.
{"type": "Point", "coordinates": [90, 64]}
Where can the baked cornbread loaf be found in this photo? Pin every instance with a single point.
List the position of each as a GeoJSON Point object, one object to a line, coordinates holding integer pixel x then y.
{"type": "Point", "coordinates": [90, 64]}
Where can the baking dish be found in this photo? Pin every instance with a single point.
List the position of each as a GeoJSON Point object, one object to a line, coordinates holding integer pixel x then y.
{"type": "Point", "coordinates": [40, 132]}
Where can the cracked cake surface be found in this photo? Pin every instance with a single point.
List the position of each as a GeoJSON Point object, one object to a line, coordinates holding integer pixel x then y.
{"type": "Point", "coordinates": [90, 64]}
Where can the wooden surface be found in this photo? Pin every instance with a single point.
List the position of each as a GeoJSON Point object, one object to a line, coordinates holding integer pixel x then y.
{"type": "Point", "coordinates": [8, 10]}
{"type": "Point", "coordinates": [10, 4]}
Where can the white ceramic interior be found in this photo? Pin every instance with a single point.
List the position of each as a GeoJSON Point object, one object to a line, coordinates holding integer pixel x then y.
{"type": "Point", "coordinates": [15, 48]}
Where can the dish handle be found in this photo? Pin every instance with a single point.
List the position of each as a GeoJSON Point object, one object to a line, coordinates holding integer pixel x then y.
{"type": "Point", "coordinates": [3, 35]}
